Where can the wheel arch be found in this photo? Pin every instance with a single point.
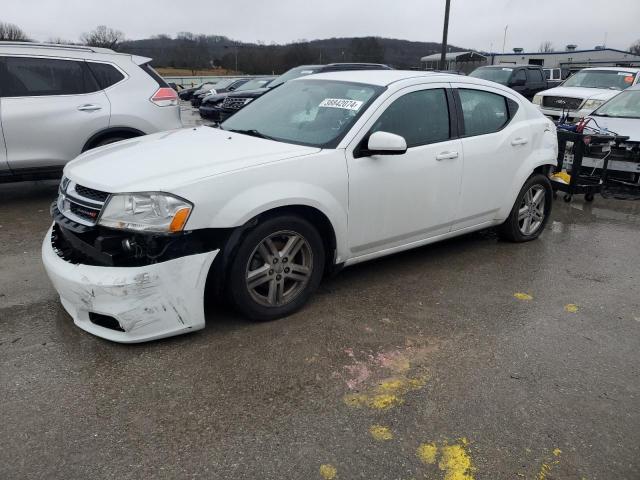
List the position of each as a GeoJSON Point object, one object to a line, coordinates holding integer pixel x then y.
{"type": "Point", "coordinates": [124, 132]}
{"type": "Point", "coordinates": [525, 172]}
{"type": "Point", "coordinates": [218, 272]}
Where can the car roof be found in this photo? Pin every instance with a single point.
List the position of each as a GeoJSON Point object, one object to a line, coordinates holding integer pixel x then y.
{"type": "Point", "coordinates": [614, 69]}
{"type": "Point", "coordinates": [381, 78]}
{"type": "Point", "coordinates": [67, 51]}
{"type": "Point", "coordinates": [510, 65]}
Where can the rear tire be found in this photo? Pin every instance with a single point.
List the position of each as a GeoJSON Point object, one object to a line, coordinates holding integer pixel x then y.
{"type": "Point", "coordinates": [531, 211]}
{"type": "Point", "coordinates": [278, 265]}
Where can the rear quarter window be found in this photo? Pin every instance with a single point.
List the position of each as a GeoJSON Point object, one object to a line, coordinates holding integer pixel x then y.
{"type": "Point", "coordinates": [105, 74]}
{"type": "Point", "coordinates": [148, 69]}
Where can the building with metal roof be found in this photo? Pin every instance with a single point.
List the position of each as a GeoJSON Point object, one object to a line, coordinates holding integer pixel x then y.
{"type": "Point", "coordinates": [460, 61]}
{"type": "Point", "coordinates": [569, 59]}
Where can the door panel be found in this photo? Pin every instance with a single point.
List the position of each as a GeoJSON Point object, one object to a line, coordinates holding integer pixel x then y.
{"type": "Point", "coordinates": [398, 199]}
{"type": "Point", "coordinates": [50, 131]}
{"type": "Point", "coordinates": [491, 160]}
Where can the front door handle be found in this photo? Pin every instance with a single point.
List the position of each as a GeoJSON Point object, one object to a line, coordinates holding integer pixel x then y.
{"type": "Point", "coordinates": [89, 107]}
{"type": "Point", "coordinates": [519, 141]}
{"type": "Point", "coordinates": [446, 156]}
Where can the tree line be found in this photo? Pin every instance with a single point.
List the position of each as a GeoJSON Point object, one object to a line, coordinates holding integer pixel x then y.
{"type": "Point", "coordinates": [196, 51]}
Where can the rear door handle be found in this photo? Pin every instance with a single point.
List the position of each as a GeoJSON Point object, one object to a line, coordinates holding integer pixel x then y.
{"type": "Point", "coordinates": [89, 107]}
{"type": "Point", "coordinates": [519, 141]}
{"type": "Point", "coordinates": [446, 156]}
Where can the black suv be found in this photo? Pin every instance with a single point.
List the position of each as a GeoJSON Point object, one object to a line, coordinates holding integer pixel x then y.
{"type": "Point", "coordinates": [235, 101]}
{"type": "Point", "coordinates": [527, 80]}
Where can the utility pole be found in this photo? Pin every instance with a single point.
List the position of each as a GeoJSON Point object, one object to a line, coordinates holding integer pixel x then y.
{"type": "Point", "coordinates": [504, 40]}
{"type": "Point", "coordinates": [445, 31]}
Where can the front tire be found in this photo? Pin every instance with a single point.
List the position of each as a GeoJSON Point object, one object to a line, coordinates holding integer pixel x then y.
{"type": "Point", "coordinates": [278, 265]}
{"type": "Point", "coordinates": [531, 211]}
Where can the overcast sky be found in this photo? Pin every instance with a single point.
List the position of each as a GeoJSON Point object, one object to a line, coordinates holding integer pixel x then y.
{"type": "Point", "coordinates": [477, 24]}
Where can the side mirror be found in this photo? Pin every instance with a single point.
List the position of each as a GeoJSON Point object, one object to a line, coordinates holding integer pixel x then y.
{"type": "Point", "coordinates": [518, 82]}
{"type": "Point", "coordinates": [231, 89]}
{"type": "Point", "coordinates": [385, 143]}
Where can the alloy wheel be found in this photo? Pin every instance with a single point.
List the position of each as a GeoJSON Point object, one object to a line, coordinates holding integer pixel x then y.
{"type": "Point", "coordinates": [531, 213]}
{"type": "Point", "coordinates": [279, 268]}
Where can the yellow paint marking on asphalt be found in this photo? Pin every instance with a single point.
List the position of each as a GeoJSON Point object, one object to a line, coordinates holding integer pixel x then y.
{"type": "Point", "coordinates": [380, 433]}
{"type": "Point", "coordinates": [328, 472]}
{"type": "Point", "coordinates": [571, 308]}
{"type": "Point", "coordinates": [523, 296]}
{"type": "Point", "coordinates": [384, 401]}
{"type": "Point", "coordinates": [387, 394]}
{"type": "Point", "coordinates": [456, 462]}
{"type": "Point", "coordinates": [546, 468]}
{"type": "Point", "coordinates": [427, 453]}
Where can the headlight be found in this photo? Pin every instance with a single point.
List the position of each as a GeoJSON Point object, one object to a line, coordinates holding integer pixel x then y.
{"type": "Point", "coordinates": [592, 104]}
{"type": "Point", "coordinates": [537, 99]}
{"type": "Point", "coordinates": [146, 212]}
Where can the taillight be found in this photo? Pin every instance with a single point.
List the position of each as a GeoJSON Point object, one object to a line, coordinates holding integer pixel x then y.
{"type": "Point", "coordinates": [165, 97]}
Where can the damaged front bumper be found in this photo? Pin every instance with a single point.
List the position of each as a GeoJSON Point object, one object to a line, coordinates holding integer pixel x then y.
{"type": "Point", "coordinates": [132, 304]}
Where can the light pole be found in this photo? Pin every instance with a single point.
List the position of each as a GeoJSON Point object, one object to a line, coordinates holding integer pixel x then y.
{"type": "Point", "coordinates": [445, 31]}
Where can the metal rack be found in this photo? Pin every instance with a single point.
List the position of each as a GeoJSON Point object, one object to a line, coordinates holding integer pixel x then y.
{"type": "Point", "coordinates": [582, 184]}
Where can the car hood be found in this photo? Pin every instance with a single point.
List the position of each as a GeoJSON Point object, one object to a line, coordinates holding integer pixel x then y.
{"type": "Point", "coordinates": [249, 93]}
{"type": "Point", "coordinates": [581, 92]}
{"type": "Point", "coordinates": [627, 127]}
{"type": "Point", "coordinates": [172, 159]}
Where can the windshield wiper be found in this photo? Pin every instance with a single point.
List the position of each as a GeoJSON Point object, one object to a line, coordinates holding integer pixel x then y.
{"type": "Point", "coordinates": [252, 132]}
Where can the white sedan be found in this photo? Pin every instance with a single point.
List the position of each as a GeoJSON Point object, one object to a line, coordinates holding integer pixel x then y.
{"type": "Point", "coordinates": [322, 172]}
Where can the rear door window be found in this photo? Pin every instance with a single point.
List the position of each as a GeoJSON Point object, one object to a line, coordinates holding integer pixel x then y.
{"type": "Point", "coordinates": [30, 76]}
{"type": "Point", "coordinates": [105, 74]}
{"type": "Point", "coordinates": [484, 112]}
{"type": "Point", "coordinates": [420, 117]}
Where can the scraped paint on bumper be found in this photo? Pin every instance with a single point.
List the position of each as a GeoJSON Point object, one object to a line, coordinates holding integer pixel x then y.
{"type": "Point", "coordinates": [149, 302]}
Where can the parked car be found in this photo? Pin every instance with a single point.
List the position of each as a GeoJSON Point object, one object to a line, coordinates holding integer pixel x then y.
{"type": "Point", "coordinates": [175, 86]}
{"type": "Point", "coordinates": [223, 86]}
{"type": "Point", "coordinates": [585, 91]}
{"type": "Point", "coordinates": [323, 172]}
{"type": "Point", "coordinates": [235, 101]}
{"type": "Point", "coordinates": [620, 115]}
{"type": "Point", "coordinates": [60, 100]}
{"type": "Point", "coordinates": [555, 76]}
{"type": "Point", "coordinates": [187, 93]}
{"type": "Point", "coordinates": [527, 80]}
{"type": "Point", "coordinates": [210, 102]}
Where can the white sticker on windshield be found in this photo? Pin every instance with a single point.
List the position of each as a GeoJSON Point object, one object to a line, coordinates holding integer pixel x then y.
{"type": "Point", "coordinates": [508, 69]}
{"type": "Point", "coordinates": [625, 74]}
{"type": "Point", "coordinates": [341, 103]}
{"type": "Point", "coordinates": [306, 72]}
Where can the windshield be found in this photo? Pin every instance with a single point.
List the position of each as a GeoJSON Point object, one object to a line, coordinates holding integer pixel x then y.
{"type": "Point", "coordinates": [499, 75]}
{"type": "Point", "coordinates": [610, 79]}
{"type": "Point", "coordinates": [624, 105]}
{"type": "Point", "coordinates": [293, 73]}
{"type": "Point", "coordinates": [253, 84]}
{"type": "Point", "coordinates": [316, 113]}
